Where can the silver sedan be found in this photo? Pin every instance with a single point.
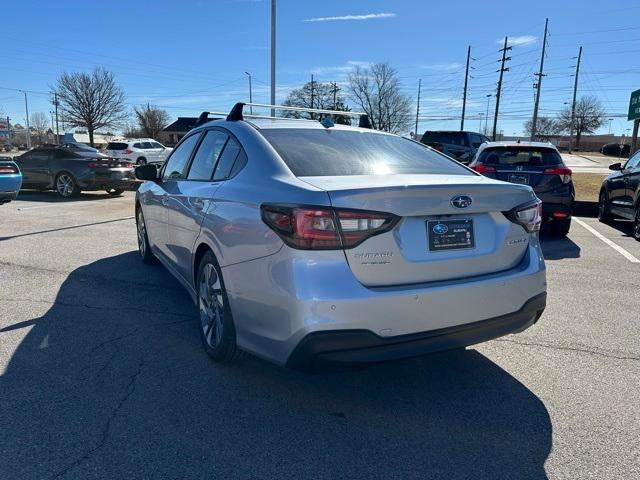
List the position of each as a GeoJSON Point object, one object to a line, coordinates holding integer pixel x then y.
{"type": "Point", "coordinates": [313, 245]}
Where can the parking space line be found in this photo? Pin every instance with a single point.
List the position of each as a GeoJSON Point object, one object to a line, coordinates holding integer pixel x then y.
{"type": "Point", "coordinates": [613, 245]}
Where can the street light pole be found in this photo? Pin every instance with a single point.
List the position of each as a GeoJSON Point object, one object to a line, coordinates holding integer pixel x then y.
{"type": "Point", "coordinates": [250, 94]}
{"type": "Point", "coordinates": [273, 56]}
{"type": "Point", "coordinates": [610, 125]}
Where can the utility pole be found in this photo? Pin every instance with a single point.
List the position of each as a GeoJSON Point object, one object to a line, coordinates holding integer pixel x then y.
{"type": "Point", "coordinates": [55, 103]}
{"type": "Point", "coordinates": [334, 88]}
{"type": "Point", "coordinates": [480, 123]}
{"type": "Point", "coordinates": [573, 103]}
{"type": "Point", "coordinates": [26, 109]}
{"type": "Point", "coordinates": [466, 80]}
{"type": "Point", "coordinates": [538, 84]}
{"type": "Point", "coordinates": [415, 132]}
{"type": "Point", "coordinates": [9, 133]}
{"type": "Point", "coordinates": [499, 91]}
{"type": "Point", "coordinates": [312, 94]}
{"type": "Point", "coordinates": [51, 113]}
{"type": "Point", "coordinates": [250, 93]}
{"type": "Point", "coordinates": [486, 116]}
{"type": "Point", "coordinates": [610, 120]}
{"type": "Point", "coordinates": [273, 56]}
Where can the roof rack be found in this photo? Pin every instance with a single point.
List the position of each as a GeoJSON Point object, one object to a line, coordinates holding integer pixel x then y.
{"type": "Point", "coordinates": [204, 117]}
{"type": "Point", "coordinates": [236, 113]}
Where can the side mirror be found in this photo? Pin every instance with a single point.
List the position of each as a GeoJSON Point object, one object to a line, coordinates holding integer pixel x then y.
{"type": "Point", "coordinates": [147, 172]}
{"type": "Point", "coordinates": [615, 166]}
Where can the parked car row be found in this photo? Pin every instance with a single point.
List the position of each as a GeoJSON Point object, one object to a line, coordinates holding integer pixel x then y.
{"type": "Point", "coordinates": [68, 171]}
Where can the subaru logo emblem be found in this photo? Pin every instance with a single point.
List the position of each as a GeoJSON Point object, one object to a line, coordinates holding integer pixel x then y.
{"type": "Point", "coordinates": [440, 229]}
{"type": "Point", "coordinates": [461, 201]}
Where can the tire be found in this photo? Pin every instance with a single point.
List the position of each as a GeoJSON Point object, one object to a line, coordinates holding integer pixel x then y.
{"type": "Point", "coordinates": [217, 330]}
{"type": "Point", "coordinates": [560, 228]}
{"type": "Point", "coordinates": [141, 161]}
{"type": "Point", "coordinates": [603, 207]}
{"type": "Point", "coordinates": [114, 192]}
{"type": "Point", "coordinates": [636, 224]}
{"type": "Point", "coordinates": [143, 239]}
{"type": "Point", "coordinates": [66, 186]}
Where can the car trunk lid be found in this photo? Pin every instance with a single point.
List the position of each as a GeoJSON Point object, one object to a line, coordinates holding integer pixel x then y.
{"type": "Point", "coordinates": [412, 252]}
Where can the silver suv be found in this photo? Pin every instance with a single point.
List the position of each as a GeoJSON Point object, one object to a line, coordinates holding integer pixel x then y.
{"type": "Point", "coordinates": [311, 244]}
{"type": "Point", "coordinates": [139, 150]}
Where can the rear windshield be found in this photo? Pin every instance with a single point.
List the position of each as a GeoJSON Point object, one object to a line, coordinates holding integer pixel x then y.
{"type": "Point", "coordinates": [116, 146]}
{"type": "Point", "coordinates": [450, 138]}
{"type": "Point", "coordinates": [342, 152]}
{"type": "Point", "coordinates": [520, 156]}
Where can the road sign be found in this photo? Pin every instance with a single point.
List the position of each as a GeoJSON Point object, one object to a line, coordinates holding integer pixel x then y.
{"type": "Point", "coordinates": [634, 106]}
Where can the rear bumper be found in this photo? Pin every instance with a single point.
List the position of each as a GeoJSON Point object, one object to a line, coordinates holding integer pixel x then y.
{"type": "Point", "coordinates": [291, 296]}
{"type": "Point", "coordinates": [327, 349]}
{"type": "Point", "coordinates": [8, 196]}
{"type": "Point", "coordinates": [109, 180]}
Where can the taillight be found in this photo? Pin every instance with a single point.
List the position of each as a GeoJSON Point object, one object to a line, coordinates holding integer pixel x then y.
{"type": "Point", "coordinates": [324, 228]}
{"type": "Point", "coordinates": [8, 170]}
{"type": "Point", "coordinates": [563, 172]}
{"type": "Point", "coordinates": [482, 168]}
{"type": "Point", "coordinates": [98, 165]}
{"type": "Point", "coordinates": [528, 215]}
{"type": "Point", "coordinates": [128, 151]}
{"type": "Point", "coordinates": [436, 146]}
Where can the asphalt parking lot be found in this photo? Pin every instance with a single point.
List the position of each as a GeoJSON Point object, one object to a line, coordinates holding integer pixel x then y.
{"type": "Point", "coordinates": [102, 374]}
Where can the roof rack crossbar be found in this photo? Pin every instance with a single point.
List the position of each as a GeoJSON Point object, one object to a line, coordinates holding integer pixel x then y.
{"type": "Point", "coordinates": [236, 112]}
{"type": "Point", "coordinates": [204, 117]}
{"type": "Point", "coordinates": [302, 109]}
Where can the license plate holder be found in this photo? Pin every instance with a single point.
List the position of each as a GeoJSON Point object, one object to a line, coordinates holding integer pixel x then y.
{"type": "Point", "coordinates": [519, 178]}
{"type": "Point", "coordinates": [454, 234]}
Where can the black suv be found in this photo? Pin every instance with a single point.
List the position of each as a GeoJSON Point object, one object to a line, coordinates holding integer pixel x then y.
{"type": "Point", "coordinates": [538, 165]}
{"type": "Point", "coordinates": [620, 194]}
{"type": "Point", "coordinates": [459, 145]}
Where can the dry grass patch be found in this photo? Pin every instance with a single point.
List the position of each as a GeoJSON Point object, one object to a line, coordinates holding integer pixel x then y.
{"type": "Point", "coordinates": [587, 186]}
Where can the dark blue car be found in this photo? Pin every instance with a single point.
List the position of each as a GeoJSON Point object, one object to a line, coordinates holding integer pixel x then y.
{"type": "Point", "coordinates": [10, 181]}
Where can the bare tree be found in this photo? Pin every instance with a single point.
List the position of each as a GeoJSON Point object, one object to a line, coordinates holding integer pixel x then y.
{"type": "Point", "coordinates": [589, 116]}
{"type": "Point", "coordinates": [39, 123]}
{"type": "Point", "coordinates": [91, 100]}
{"type": "Point", "coordinates": [324, 96]}
{"type": "Point", "coordinates": [376, 90]}
{"type": "Point", "coordinates": [151, 119]}
{"type": "Point", "coordinates": [546, 128]}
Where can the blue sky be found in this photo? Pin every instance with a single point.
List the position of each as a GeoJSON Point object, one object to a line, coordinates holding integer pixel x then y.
{"type": "Point", "coordinates": [191, 55]}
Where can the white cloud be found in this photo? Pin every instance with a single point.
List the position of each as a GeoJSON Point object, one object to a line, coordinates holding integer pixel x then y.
{"type": "Point", "coordinates": [367, 16]}
{"type": "Point", "coordinates": [442, 66]}
{"type": "Point", "coordinates": [340, 69]}
{"type": "Point", "coordinates": [519, 40]}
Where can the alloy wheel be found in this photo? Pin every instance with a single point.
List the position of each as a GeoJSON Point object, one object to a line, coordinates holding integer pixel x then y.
{"type": "Point", "coordinates": [636, 225]}
{"type": "Point", "coordinates": [64, 185]}
{"type": "Point", "coordinates": [211, 304]}
{"type": "Point", "coordinates": [142, 234]}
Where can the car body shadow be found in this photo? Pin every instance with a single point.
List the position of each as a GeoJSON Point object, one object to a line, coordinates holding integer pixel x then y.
{"type": "Point", "coordinates": [558, 248]}
{"type": "Point", "coordinates": [112, 382]}
{"type": "Point", "coordinates": [49, 196]}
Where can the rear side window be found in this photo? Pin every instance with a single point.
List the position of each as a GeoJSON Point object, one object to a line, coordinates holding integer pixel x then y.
{"type": "Point", "coordinates": [476, 140]}
{"type": "Point", "coordinates": [207, 155]}
{"type": "Point", "coordinates": [147, 145]}
{"type": "Point", "coordinates": [450, 138]}
{"type": "Point", "coordinates": [116, 146]}
{"type": "Point", "coordinates": [349, 152]}
{"type": "Point", "coordinates": [176, 165]}
{"type": "Point", "coordinates": [227, 159]}
{"type": "Point", "coordinates": [520, 156]}
{"type": "Point", "coordinates": [138, 145]}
